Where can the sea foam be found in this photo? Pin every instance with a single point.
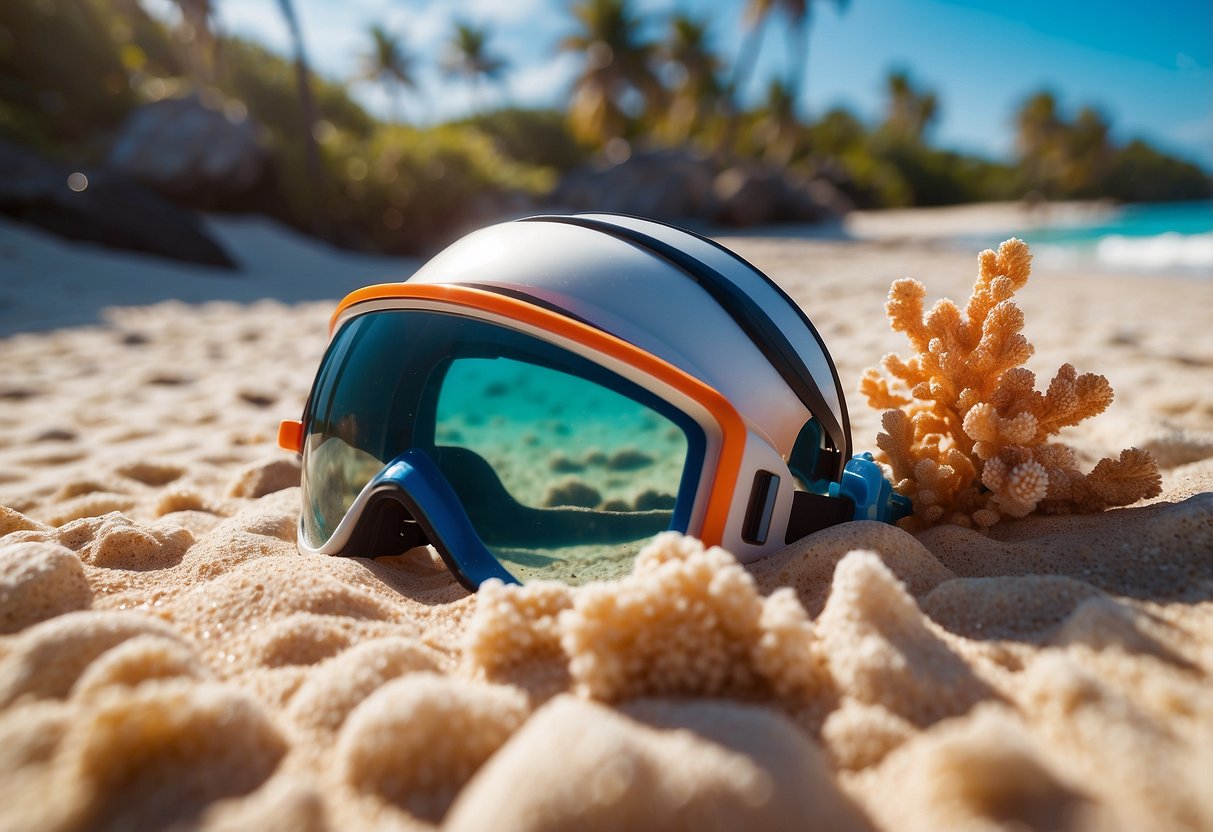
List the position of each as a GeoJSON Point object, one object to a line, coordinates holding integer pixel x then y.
{"type": "Point", "coordinates": [1165, 251]}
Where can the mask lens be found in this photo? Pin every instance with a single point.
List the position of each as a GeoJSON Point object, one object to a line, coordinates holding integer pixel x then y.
{"type": "Point", "coordinates": [346, 429]}
{"type": "Point", "coordinates": [571, 476]}
{"type": "Point", "coordinates": [336, 472]}
{"type": "Point", "coordinates": [564, 468]}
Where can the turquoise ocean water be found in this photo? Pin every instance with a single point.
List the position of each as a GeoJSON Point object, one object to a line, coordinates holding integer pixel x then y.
{"type": "Point", "coordinates": [1164, 238]}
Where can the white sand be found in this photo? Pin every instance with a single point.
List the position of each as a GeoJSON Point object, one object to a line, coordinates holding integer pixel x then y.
{"type": "Point", "coordinates": [170, 657]}
{"type": "Point", "coordinates": [45, 283]}
{"type": "Point", "coordinates": [916, 224]}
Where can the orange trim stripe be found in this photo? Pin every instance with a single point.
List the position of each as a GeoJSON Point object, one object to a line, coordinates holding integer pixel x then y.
{"type": "Point", "coordinates": [290, 435]}
{"type": "Point", "coordinates": [732, 427]}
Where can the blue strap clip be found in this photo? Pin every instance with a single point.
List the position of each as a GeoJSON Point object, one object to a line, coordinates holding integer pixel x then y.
{"type": "Point", "coordinates": [864, 482]}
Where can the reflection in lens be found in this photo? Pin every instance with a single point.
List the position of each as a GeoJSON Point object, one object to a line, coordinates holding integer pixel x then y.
{"type": "Point", "coordinates": [564, 468]}
{"type": "Point", "coordinates": [593, 474]}
{"type": "Point", "coordinates": [337, 472]}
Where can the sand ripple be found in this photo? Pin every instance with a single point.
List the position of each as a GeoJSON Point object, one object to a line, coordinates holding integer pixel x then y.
{"type": "Point", "coordinates": [883, 651]}
{"type": "Point", "coordinates": [168, 657]}
{"type": "Point", "coordinates": [39, 581]}
{"type": "Point", "coordinates": [418, 739]}
{"type": "Point", "coordinates": [656, 765]}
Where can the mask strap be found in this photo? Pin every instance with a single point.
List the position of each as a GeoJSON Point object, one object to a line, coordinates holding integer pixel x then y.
{"type": "Point", "coordinates": [863, 494]}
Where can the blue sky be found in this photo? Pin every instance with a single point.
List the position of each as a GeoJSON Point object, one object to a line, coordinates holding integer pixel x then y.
{"type": "Point", "coordinates": [1148, 72]}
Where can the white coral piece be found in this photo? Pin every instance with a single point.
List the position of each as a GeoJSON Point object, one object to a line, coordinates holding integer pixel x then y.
{"type": "Point", "coordinates": [514, 625]}
{"type": "Point", "coordinates": [688, 620]}
{"type": "Point", "coordinates": [1017, 430]}
{"type": "Point", "coordinates": [994, 474]}
{"type": "Point", "coordinates": [981, 422]}
{"type": "Point", "coordinates": [1025, 486]}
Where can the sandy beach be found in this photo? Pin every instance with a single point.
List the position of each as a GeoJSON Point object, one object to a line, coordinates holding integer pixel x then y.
{"type": "Point", "coordinates": [168, 657]}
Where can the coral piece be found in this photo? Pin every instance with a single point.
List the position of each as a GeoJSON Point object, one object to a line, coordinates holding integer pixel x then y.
{"type": "Point", "coordinates": [858, 735]}
{"type": "Point", "coordinates": [515, 626]}
{"type": "Point", "coordinates": [687, 620]}
{"type": "Point", "coordinates": [965, 431]}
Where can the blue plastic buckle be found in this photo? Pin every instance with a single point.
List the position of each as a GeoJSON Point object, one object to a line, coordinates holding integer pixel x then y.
{"type": "Point", "coordinates": [864, 482]}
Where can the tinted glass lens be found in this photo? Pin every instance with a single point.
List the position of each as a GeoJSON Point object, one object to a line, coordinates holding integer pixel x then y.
{"type": "Point", "coordinates": [583, 473]}
{"type": "Point", "coordinates": [563, 467]}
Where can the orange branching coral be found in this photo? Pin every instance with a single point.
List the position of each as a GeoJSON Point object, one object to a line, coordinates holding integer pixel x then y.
{"type": "Point", "coordinates": [967, 433]}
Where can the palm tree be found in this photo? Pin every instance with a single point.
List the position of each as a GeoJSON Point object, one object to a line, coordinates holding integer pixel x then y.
{"type": "Point", "coordinates": [468, 56]}
{"type": "Point", "coordinates": [836, 132]}
{"type": "Point", "coordinates": [1087, 151]}
{"type": "Point", "coordinates": [755, 18]}
{"type": "Point", "coordinates": [797, 13]}
{"type": "Point", "coordinates": [910, 110]}
{"type": "Point", "coordinates": [303, 79]}
{"type": "Point", "coordinates": [698, 87]}
{"type": "Point", "coordinates": [779, 130]}
{"type": "Point", "coordinates": [617, 66]}
{"type": "Point", "coordinates": [1039, 140]}
{"type": "Point", "coordinates": [388, 63]}
{"type": "Point", "coordinates": [197, 30]}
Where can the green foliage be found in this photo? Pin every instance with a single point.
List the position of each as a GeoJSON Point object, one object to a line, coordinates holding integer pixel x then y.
{"type": "Point", "coordinates": [1075, 159]}
{"type": "Point", "coordinates": [532, 137]}
{"type": "Point", "coordinates": [693, 75]}
{"type": "Point", "coordinates": [1139, 173]}
{"type": "Point", "coordinates": [388, 62]}
{"type": "Point", "coordinates": [145, 45]}
{"type": "Point", "coordinates": [891, 166]}
{"type": "Point", "coordinates": [837, 132]}
{"type": "Point", "coordinates": [22, 125]}
{"type": "Point", "coordinates": [71, 70]}
{"type": "Point", "coordinates": [49, 101]}
{"type": "Point", "coordinates": [404, 190]}
{"type": "Point", "coordinates": [871, 181]}
{"type": "Point", "coordinates": [618, 72]}
{"type": "Point", "coordinates": [266, 84]}
{"type": "Point", "coordinates": [943, 177]}
{"type": "Point", "coordinates": [909, 111]}
{"type": "Point", "coordinates": [468, 55]}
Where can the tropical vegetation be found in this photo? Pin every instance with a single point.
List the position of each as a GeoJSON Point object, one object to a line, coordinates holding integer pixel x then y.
{"type": "Point", "coordinates": [643, 85]}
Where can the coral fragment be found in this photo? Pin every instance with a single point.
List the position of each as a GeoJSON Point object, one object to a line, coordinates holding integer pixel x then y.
{"type": "Point", "coordinates": [966, 433]}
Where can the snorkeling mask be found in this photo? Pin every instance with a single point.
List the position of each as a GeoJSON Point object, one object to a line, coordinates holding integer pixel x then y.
{"type": "Point", "coordinates": [545, 395]}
